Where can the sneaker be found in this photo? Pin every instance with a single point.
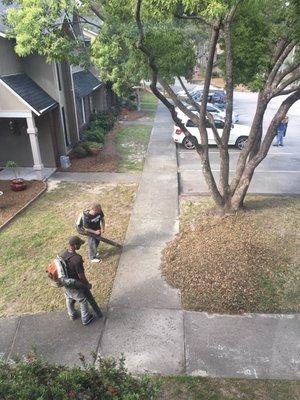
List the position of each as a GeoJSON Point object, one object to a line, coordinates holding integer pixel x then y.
{"type": "Point", "coordinates": [95, 260]}
{"type": "Point", "coordinates": [275, 145]}
{"type": "Point", "coordinates": [89, 320]}
{"type": "Point", "coordinates": [73, 317]}
{"type": "Point", "coordinates": [281, 145]}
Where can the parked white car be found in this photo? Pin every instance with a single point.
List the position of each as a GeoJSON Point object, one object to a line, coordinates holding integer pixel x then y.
{"type": "Point", "coordinates": [211, 108]}
{"type": "Point", "coordinates": [238, 134]}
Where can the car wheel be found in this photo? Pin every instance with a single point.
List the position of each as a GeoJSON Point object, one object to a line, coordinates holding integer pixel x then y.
{"type": "Point", "coordinates": [240, 143]}
{"type": "Point", "coordinates": [188, 144]}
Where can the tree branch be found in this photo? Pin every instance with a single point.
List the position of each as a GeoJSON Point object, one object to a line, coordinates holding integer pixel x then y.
{"type": "Point", "coordinates": [191, 100]}
{"type": "Point", "coordinates": [293, 78]}
{"type": "Point", "coordinates": [224, 154]}
{"type": "Point", "coordinates": [96, 12]}
{"type": "Point", "coordinates": [286, 72]}
{"type": "Point", "coordinates": [280, 46]}
{"type": "Point", "coordinates": [87, 21]}
{"type": "Point", "coordinates": [285, 51]}
{"type": "Point", "coordinates": [288, 91]}
{"type": "Point", "coordinates": [261, 106]}
{"type": "Point", "coordinates": [194, 17]}
{"type": "Point", "coordinates": [201, 150]}
{"type": "Point", "coordinates": [243, 184]}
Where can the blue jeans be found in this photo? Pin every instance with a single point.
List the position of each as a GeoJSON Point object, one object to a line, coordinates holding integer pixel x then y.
{"type": "Point", "coordinates": [93, 246]}
{"type": "Point", "coordinates": [279, 138]}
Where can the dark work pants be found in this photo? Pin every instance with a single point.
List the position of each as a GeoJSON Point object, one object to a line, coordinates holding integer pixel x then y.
{"type": "Point", "coordinates": [93, 246]}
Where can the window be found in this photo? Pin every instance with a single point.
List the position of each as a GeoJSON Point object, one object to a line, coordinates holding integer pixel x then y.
{"type": "Point", "coordinates": [190, 124]}
{"type": "Point", "coordinates": [219, 124]}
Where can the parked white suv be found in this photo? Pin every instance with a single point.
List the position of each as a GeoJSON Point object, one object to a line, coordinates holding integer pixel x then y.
{"type": "Point", "coordinates": [238, 134]}
{"type": "Point", "coordinates": [211, 108]}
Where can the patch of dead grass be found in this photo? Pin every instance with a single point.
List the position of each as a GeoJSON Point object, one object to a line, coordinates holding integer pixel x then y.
{"type": "Point", "coordinates": [34, 239]}
{"type": "Point", "coordinates": [242, 263]}
{"type": "Point", "coordinates": [183, 388]}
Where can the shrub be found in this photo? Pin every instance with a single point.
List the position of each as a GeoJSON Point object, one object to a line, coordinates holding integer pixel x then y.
{"type": "Point", "coordinates": [104, 121]}
{"type": "Point", "coordinates": [80, 152]}
{"type": "Point", "coordinates": [99, 125]}
{"type": "Point", "coordinates": [94, 134]}
{"type": "Point", "coordinates": [87, 148]}
{"type": "Point", "coordinates": [35, 378]}
{"type": "Point", "coordinates": [91, 145]}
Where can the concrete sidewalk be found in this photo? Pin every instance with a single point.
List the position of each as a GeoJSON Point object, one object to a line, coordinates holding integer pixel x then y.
{"type": "Point", "coordinates": [144, 320]}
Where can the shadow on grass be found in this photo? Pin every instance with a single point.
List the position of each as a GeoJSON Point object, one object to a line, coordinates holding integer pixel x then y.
{"type": "Point", "coordinates": [267, 202]}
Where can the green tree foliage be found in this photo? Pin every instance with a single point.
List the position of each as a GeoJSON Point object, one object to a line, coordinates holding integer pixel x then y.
{"type": "Point", "coordinates": [258, 27]}
{"type": "Point", "coordinates": [43, 26]}
{"type": "Point", "coordinates": [49, 27]}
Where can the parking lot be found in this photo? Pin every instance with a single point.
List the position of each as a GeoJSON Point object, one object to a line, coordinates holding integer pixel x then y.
{"type": "Point", "coordinates": [279, 173]}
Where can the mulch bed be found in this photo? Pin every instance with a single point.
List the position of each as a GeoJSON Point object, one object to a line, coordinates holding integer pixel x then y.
{"type": "Point", "coordinates": [11, 202]}
{"type": "Point", "coordinates": [102, 160]}
{"type": "Point", "coordinates": [107, 158]}
{"type": "Point", "coordinates": [236, 264]}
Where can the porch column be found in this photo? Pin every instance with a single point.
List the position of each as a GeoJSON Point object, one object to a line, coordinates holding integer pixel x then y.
{"type": "Point", "coordinates": [35, 147]}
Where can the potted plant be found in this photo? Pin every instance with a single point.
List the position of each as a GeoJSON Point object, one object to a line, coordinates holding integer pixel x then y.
{"type": "Point", "coordinates": [17, 184]}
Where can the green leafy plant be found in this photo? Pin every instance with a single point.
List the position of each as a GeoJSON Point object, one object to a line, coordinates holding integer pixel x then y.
{"type": "Point", "coordinates": [99, 126]}
{"type": "Point", "coordinates": [94, 135]}
{"type": "Point", "coordinates": [13, 165]}
{"type": "Point", "coordinates": [80, 152]}
{"type": "Point", "coordinates": [87, 148]}
{"type": "Point", "coordinates": [107, 379]}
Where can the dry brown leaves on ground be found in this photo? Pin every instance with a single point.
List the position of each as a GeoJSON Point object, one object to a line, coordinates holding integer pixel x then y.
{"type": "Point", "coordinates": [11, 202]}
{"type": "Point", "coordinates": [234, 264]}
{"type": "Point", "coordinates": [134, 115]}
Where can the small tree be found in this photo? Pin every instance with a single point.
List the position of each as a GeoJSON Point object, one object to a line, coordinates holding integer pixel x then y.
{"type": "Point", "coordinates": [13, 165]}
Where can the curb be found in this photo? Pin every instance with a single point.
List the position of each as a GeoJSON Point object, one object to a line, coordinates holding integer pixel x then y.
{"type": "Point", "coordinates": [24, 207]}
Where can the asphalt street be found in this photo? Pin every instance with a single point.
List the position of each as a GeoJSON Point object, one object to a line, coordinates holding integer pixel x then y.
{"type": "Point", "coordinates": [279, 172]}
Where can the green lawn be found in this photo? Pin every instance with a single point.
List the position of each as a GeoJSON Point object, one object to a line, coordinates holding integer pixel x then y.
{"type": "Point", "coordinates": [132, 143]}
{"type": "Point", "coordinates": [149, 103]}
{"type": "Point", "coordinates": [189, 388]}
{"type": "Point", "coordinates": [38, 235]}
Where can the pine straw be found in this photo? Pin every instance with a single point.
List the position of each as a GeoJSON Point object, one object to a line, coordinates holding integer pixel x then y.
{"type": "Point", "coordinates": [235, 264]}
{"type": "Point", "coordinates": [11, 202]}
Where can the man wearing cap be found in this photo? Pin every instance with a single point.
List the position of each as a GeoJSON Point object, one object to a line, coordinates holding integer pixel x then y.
{"type": "Point", "coordinates": [75, 269]}
{"type": "Point", "coordinates": [94, 226]}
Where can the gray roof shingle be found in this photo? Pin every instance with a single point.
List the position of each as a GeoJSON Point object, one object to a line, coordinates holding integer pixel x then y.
{"type": "Point", "coordinates": [30, 92]}
{"type": "Point", "coordinates": [85, 83]}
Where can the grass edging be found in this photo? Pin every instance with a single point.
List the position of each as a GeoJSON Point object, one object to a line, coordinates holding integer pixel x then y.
{"type": "Point", "coordinates": [6, 223]}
